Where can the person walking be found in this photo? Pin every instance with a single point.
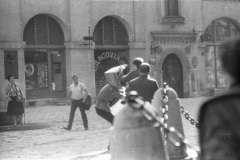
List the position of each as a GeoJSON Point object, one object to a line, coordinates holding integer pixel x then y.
{"type": "Point", "coordinates": [219, 117]}
{"type": "Point", "coordinates": [77, 94]}
{"type": "Point", "coordinates": [145, 85]}
{"type": "Point", "coordinates": [16, 98]}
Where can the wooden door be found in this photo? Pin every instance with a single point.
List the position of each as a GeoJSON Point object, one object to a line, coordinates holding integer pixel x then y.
{"type": "Point", "coordinates": [173, 73]}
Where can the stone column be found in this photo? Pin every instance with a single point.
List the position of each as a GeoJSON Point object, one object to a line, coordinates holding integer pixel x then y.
{"type": "Point", "coordinates": [80, 62]}
{"type": "Point", "coordinates": [11, 46]}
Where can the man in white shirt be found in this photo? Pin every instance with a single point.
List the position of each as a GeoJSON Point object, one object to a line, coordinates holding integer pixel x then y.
{"type": "Point", "coordinates": [77, 94]}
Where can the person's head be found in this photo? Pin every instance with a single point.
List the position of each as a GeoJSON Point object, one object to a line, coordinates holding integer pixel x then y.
{"type": "Point", "coordinates": [144, 69]}
{"type": "Point", "coordinates": [75, 79]}
{"type": "Point", "coordinates": [230, 58]}
{"type": "Point", "coordinates": [122, 69]}
{"type": "Point", "coordinates": [137, 62]}
{"type": "Point", "coordinates": [10, 78]}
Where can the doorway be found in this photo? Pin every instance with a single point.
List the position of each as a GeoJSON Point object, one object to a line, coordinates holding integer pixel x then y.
{"type": "Point", "coordinates": [111, 40]}
{"type": "Point", "coordinates": [173, 73]}
{"type": "Point", "coordinates": [44, 72]}
{"type": "Point", "coordinates": [44, 58]}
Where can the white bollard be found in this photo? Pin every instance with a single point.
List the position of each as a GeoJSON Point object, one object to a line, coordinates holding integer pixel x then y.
{"type": "Point", "coordinates": [174, 120]}
{"type": "Point", "coordinates": [134, 138]}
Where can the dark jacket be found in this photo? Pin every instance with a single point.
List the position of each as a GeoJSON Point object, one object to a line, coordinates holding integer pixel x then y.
{"type": "Point", "coordinates": [130, 76]}
{"type": "Point", "coordinates": [108, 94]}
{"type": "Point", "coordinates": [145, 86]}
{"type": "Point", "coordinates": [219, 127]}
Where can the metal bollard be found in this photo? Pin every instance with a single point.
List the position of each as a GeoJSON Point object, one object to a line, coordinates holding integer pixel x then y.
{"type": "Point", "coordinates": [134, 138]}
{"type": "Point", "coordinates": [174, 120]}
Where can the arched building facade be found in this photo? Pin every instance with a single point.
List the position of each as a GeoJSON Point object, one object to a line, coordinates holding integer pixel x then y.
{"type": "Point", "coordinates": [44, 43]}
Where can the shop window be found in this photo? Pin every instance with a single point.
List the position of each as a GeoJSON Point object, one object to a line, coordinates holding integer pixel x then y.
{"type": "Point", "coordinates": [44, 57]}
{"type": "Point", "coordinates": [43, 30]}
{"type": "Point", "coordinates": [36, 69]}
{"type": "Point", "coordinates": [218, 31]}
{"type": "Point", "coordinates": [214, 74]}
{"type": "Point", "coordinates": [110, 31]}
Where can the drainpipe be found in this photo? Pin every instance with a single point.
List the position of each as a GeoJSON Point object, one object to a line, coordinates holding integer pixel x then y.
{"type": "Point", "coordinates": [134, 26]}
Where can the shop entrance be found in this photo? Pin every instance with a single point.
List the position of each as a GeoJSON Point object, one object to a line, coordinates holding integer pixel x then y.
{"type": "Point", "coordinates": [173, 73]}
{"type": "Point", "coordinates": [44, 74]}
{"type": "Point", "coordinates": [111, 40]}
{"type": "Point", "coordinates": [44, 58]}
{"type": "Point", "coordinates": [106, 59]}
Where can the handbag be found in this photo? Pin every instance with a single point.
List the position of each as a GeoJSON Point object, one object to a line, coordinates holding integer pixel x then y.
{"type": "Point", "coordinates": [88, 102]}
{"type": "Point", "coordinates": [19, 98]}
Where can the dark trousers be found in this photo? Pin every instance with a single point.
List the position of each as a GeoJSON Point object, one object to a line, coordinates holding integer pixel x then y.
{"type": "Point", "coordinates": [74, 106]}
{"type": "Point", "coordinates": [106, 115]}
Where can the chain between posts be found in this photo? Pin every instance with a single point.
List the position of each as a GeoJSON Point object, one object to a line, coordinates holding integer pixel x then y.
{"type": "Point", "coordinates": [188, 117]}
{"type": "Point", "coordinates": [151, 113]}
{"type": "Point", "coordinates": [165, 109]}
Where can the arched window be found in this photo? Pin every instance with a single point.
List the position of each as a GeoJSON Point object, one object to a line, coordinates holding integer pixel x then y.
{"type": "Point", "coordinates": [110, 31]}
{"type": "Point", "coordinates": [43, 30]}
{"type": "Point", "coordinates": [44, 58]}
{"type": "Point", "coordinates": [218, 31]}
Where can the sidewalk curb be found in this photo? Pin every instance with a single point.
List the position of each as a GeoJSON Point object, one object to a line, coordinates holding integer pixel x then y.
{"type": "Point", "coordinates": [23, 127]}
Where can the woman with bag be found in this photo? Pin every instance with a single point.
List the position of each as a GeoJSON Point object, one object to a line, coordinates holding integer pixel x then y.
{"type": "Point", "coordinates": [15, 97]}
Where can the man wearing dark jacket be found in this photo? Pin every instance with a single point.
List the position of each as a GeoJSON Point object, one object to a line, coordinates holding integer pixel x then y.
{"type": "Point", "coordinates": [219, 118]}
{"type": "Point", "coordinates": [144, 84]}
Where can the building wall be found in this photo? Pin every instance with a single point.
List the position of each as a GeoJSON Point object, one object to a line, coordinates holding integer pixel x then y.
{"type": "Point", "coordinates": [141, 18]}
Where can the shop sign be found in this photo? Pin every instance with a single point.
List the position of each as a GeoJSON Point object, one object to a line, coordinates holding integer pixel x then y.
{"type": "Point", "coordinates": [106, 55]}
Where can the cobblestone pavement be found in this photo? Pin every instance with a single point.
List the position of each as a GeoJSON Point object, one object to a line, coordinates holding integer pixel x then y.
{"type": "Point", "coordinates": [56, 143]}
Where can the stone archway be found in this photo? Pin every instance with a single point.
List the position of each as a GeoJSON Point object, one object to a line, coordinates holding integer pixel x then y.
{"type": "Point", "coordinates": [184, 63]}
{"type": "Point", "coordinates": [111, 47]}
{"type": "Point", "coordinates": [44, 58]}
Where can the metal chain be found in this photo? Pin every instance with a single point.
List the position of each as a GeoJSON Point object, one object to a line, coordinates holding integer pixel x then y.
{"type": "Point", "coordinates": [188, 117]}
{"type": "Point", "coordinates": [151, 113]}
{"type": "Point", "coordinates": [165, 106]}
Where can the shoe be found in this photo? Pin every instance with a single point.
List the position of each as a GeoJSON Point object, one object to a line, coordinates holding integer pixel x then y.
{"type": "Point", "coordinates": [85, 128]}
{"type": "Point", "coordinates": [66, 128]}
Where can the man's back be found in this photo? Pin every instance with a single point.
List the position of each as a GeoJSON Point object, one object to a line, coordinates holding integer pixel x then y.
{"type": "Point", "coordinates": [220, 127]}
{"type": "Point", "coordinates": [145, 86]}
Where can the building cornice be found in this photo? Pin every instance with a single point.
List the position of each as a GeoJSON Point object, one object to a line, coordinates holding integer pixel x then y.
{"type": "Point", "coordinates": [172, 37]}
{"type": "Point", "coordinates": [12, 44]}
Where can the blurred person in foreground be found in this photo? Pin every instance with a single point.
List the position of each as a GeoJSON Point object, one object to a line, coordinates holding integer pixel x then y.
{"type": "Point", "coordinates": [145, 85]}
{"type": "Point", "coordinates": [77, 94]}
{"type": "Point", "coordinates": [219, 118]}
{"type": "Point", "coordinates": [15, 106]}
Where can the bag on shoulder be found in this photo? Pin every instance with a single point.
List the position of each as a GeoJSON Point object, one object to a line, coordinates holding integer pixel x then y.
{"type": "Point", "coordinates": [88, 102]}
